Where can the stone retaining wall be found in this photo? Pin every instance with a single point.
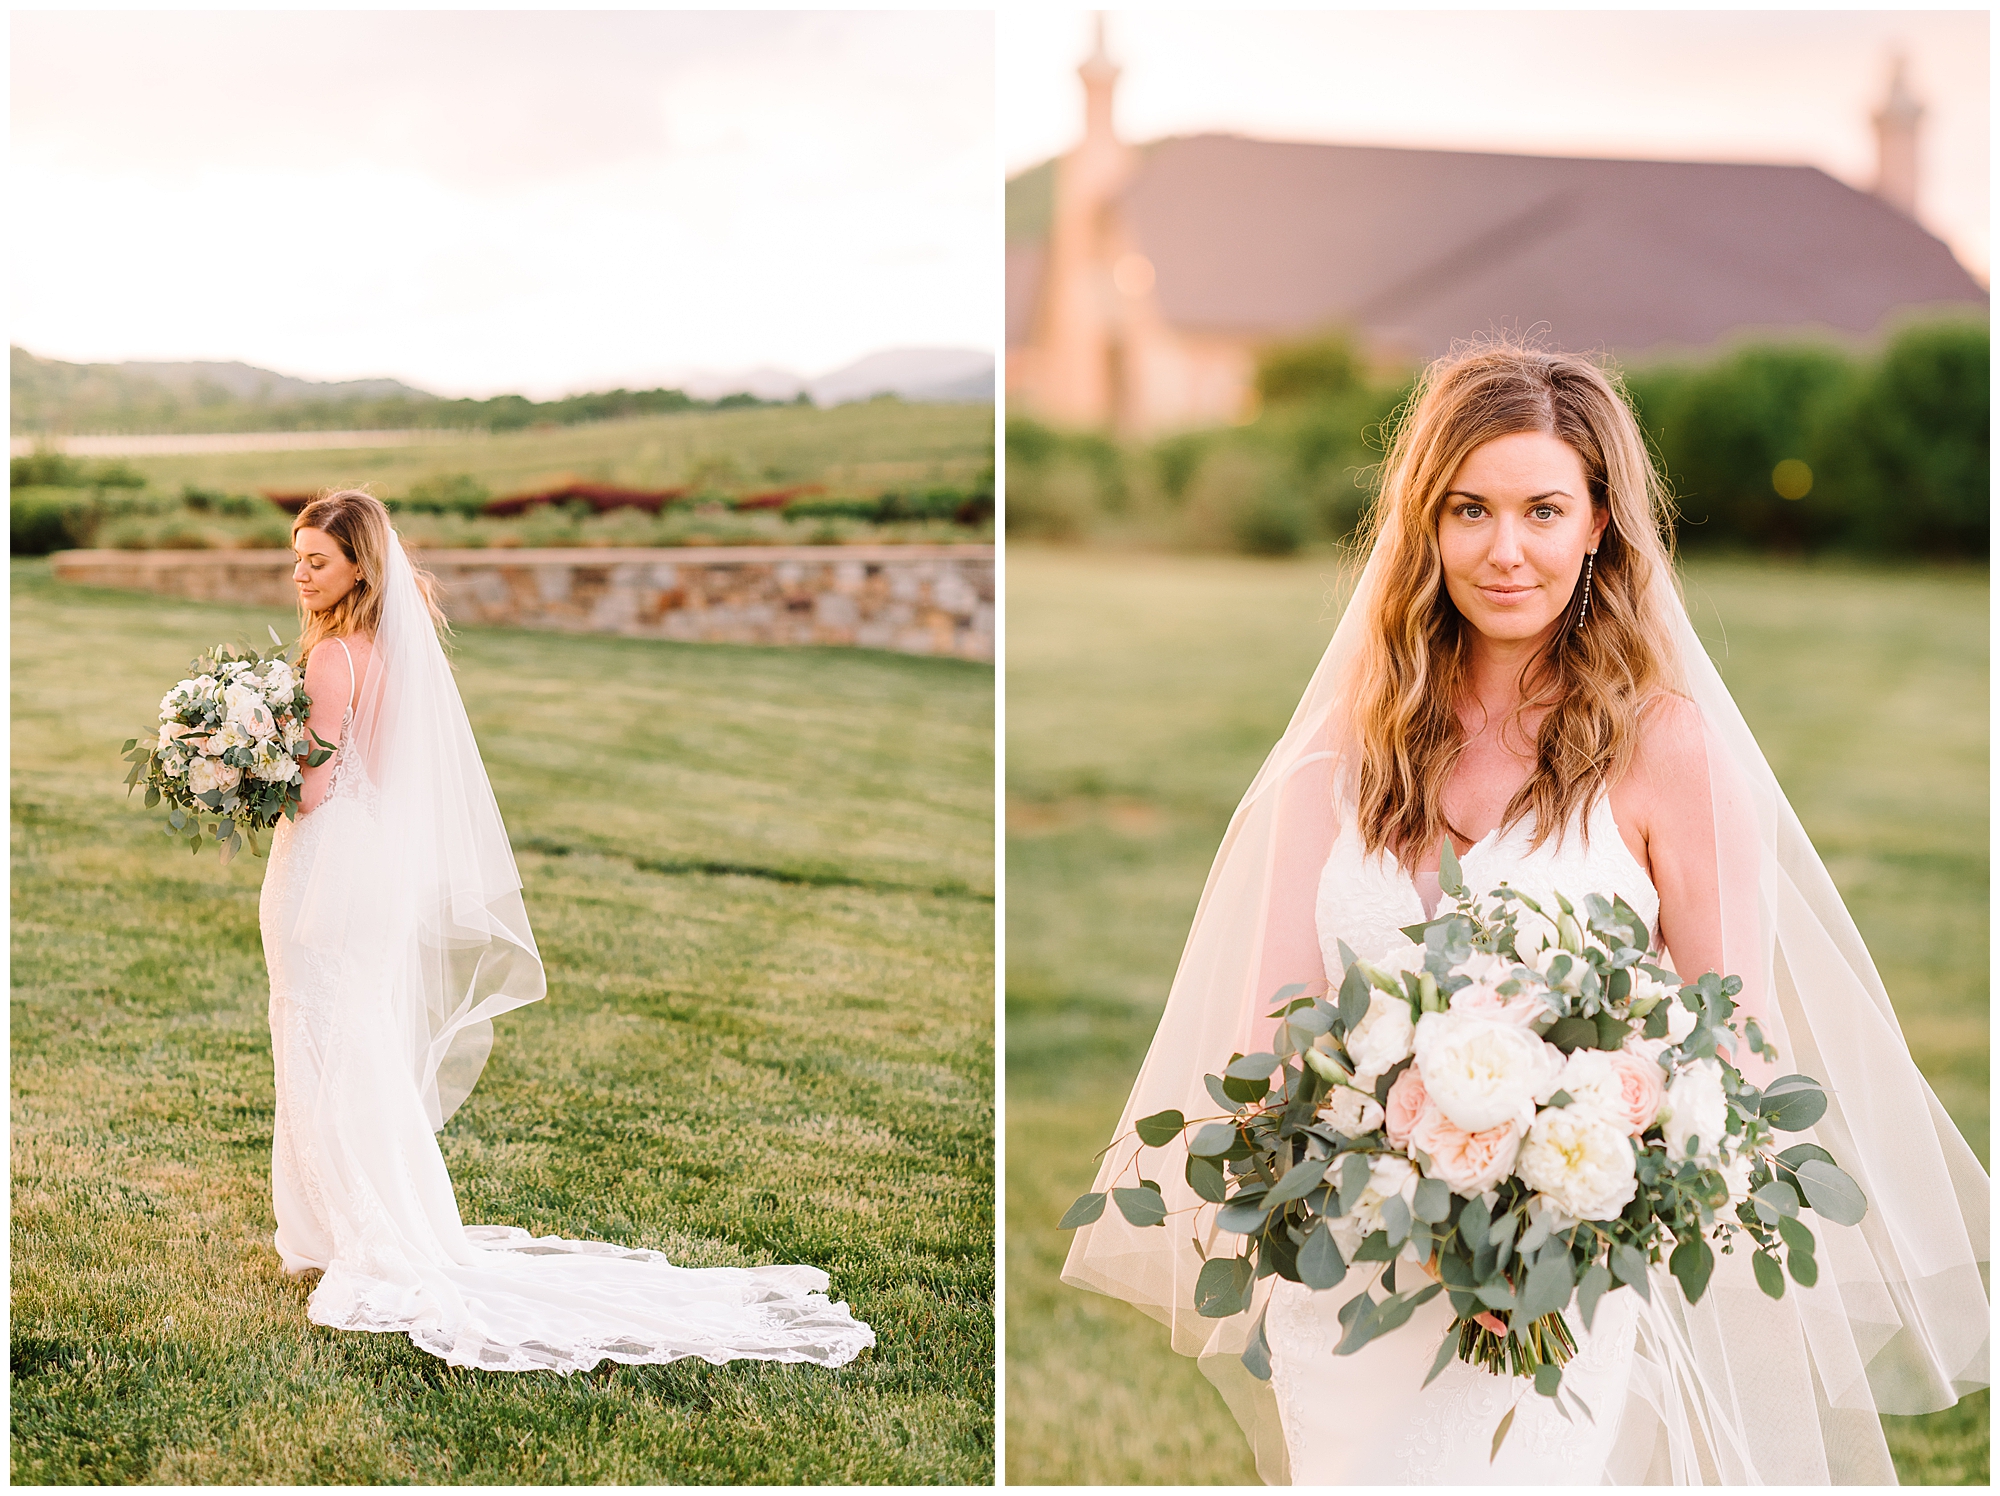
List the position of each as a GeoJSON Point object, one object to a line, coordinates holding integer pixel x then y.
{"type": "Point", "coordinates": [918, 599]}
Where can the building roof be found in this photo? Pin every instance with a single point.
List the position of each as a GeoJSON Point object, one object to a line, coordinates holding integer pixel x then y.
{"type": "Point", "coordinates": [1416, 249]}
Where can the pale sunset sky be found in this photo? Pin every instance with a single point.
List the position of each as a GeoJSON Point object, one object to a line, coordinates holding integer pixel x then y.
{"type": "Point", "coordinates": [503, 200]}
{"type": "Point", "coordinates": [1793, 86]}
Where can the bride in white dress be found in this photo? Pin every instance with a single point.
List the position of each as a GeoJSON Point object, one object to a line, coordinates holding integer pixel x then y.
{"type": "Point", "coordinates": [1516, 657]}
{"type": "Point", "coordinates": [394, 931]}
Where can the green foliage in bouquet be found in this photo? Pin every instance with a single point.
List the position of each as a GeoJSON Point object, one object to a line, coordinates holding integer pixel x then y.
{"type": "Point", "coordinates": [252, 782]}
{"type": "Point", "coordinates": [1299, 1164]}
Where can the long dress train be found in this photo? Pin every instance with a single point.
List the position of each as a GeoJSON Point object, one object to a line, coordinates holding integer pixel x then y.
{"type": "Point", "coordinates": [361, 1193]}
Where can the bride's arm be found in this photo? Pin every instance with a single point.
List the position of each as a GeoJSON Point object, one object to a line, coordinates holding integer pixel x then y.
{"type": "Point", "coordinates": [1700, 830]}
{"type": "Point", "coordinates": [326, 684]}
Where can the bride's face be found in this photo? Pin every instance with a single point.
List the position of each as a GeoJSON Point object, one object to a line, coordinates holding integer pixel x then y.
{"type": "Point", "coordinates": [323, 574]}
{"type": "Point", "coordinates": [1516, 524]}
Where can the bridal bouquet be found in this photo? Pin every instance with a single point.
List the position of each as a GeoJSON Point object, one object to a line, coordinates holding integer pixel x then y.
{"type": "Point", "coordinates": [227, 748]}
{"type": "Point", "coordinates": [1520, 1110]}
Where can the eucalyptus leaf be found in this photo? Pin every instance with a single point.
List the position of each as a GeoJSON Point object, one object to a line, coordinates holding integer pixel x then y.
{"type": "Point", "coordinates": [1447, 1349]}
{"type": "Point", "coordinates": [1691, 1264]}
{"type": "Point", "coordinates": [1596, 1282]}
{"type": "Point", "coordinates": [1396, 1220]}
{"type": "Point", "coordinates": [1779, 1197]}
{"type": "Point", "coordinates": [1213, 1140]}
{"type": "Point", "coordinates": [1832, 1193]}
{"type": "Point", "coordinates": [1433, 1201]}
{"type": "Point", "coordinates": [1629, 1264]}
{"type": "Point", "coordinates": [1222, 1287]}
{"type": "Point", "coordinates": [1160, 1129]}
{"type": "Point", "coordinates": [1804, 1267]}
{"type": "Point", "coordinates": [1142, 1207]}
{"type": "Point", "coordinates": [1770, 1277]}
{"type": "Point", "coordinates": [1792, 1103]}
{"type": "Point", "coordinates": [1548, 1377]}
{"type": "Point", "coordinates": [1548, 1287]}
{"type": "Point", "coordinates": [1300, 1180]}
{"type": "Point", "coordinates": [1206, 1179]}
{"type": "Point", "coordinates": [1500, 1436]}
{"type": "Point", "coordinates": [1256, 1356]}
{"type": "Point", "coordinates": [1320, 1263]}
{"type": "Point", "coordinates": [1086, 1209]}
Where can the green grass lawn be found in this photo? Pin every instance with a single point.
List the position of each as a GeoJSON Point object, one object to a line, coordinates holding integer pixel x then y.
{"type": "Point", "coordinates": [1143, 691]}
{"type": "Point", "coordinates": [868, 446]}
{"type": "Point", "coordinates": [762, 884]}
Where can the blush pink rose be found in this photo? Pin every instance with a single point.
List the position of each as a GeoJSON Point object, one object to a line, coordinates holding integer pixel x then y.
{"type": "Point", "coordinates": [1642, 1089]}
{"type": "Point", "coordinates": [1468, 1162]}
{"type": "Point", "coordinates": [1406, 1107]}
{"type": "Point", "coordinates": [1522, 1008]}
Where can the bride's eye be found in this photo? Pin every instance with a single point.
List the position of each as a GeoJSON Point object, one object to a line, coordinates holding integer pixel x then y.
{"type": "Point", "coordinates": [1470, 511]}
{"type": "Point", "coordinates": [1546, 511]}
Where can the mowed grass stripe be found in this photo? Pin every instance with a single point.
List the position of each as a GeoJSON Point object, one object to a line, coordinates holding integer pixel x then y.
{"type": "Point", "coordinates": [730, 1067]}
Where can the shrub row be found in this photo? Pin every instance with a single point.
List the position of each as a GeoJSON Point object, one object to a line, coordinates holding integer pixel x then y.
{"type": "Point", "coordinates": [1771, 447]}
{"type": "Point", "coordinates": [89, 509]}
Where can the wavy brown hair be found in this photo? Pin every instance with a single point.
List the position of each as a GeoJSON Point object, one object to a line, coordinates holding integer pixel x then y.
{"type": "Point", "coordinates": [1413, 670]}
{"type": "Point", "coordinates": [359, 525]}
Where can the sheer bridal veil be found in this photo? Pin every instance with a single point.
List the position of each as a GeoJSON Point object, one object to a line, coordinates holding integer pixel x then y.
{"type": "Point", "coordinates": [428, 891]}
{"type": "Point", "coordinates": [1897, 1322]}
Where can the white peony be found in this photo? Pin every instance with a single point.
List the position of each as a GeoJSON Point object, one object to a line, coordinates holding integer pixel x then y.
{"type": "Point", "coordinates": [1696, 1108]}
{"type": "Point", "coordinates": [1383, 1037]}
{"type": "Point", "coordinates": [1581, 1163]}
{"type": "Point", "coordinates": [247, 710]}
{"type": "Point", "coordinates": [207, 774]}
{"type": "Point", "coordinates": [1483, 1072]}
{"type": "Point", "coordinates": [1351, 1112]}
{"type": "Point", "coordinates": [1593, 1084]}
{"type": "Point", "coordinates": [1533, 937]}
{"type": "Point", "coordinates": [1485, 968]}
{"type": "Point", "coordinates": [229, 735]}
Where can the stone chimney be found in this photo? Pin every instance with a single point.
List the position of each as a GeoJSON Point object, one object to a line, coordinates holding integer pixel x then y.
{"type": "Point", "coordinates": [1896, 141]}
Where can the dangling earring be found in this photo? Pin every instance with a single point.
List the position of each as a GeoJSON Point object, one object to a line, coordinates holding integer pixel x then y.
{"type": "Point", "coordinates": [1589, 564]}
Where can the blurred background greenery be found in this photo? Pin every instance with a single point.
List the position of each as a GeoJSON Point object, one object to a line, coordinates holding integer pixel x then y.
{"type": "Point", "coordinates": [1787, 447]}
{"type": "Point", "coordinates": [876, 470]}
{"type": "Point", "coordinates": [1144, 690]}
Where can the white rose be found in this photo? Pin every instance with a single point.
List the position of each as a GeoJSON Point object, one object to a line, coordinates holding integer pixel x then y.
{"type": "Point", "coordinates": [1351, 1112]}
{"type": "Point", "coordinates": [279, 681]}
{"type": "Point", "coordinates": [229, 735]}
{"type": "Point", "coordinates": [169, 731]}
{"type": "Point", "coordinates": [1583, 1165]}
{"type": "Point", "coordinates": [1382, 1038]}
{"type": "Point", "coordinates": [1483, 1072]}
{"type": "Point", "coordinates": [1696, 1108]}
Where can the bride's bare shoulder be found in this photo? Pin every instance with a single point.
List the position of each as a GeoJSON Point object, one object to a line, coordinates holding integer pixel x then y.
{"type": "Point", "coordinates": [1673, 742]}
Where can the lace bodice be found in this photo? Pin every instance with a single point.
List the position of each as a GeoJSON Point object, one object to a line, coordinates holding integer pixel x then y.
{"type": "Point", "coordinates": [1366, 901]}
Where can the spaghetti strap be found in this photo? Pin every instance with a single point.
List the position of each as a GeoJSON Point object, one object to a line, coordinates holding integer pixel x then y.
{"type": "Point", "coordinates": [350, 682]}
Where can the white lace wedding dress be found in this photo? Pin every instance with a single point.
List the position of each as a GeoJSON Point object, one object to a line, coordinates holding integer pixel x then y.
{"type": "Point", "coordinates": [360, 1188]}
{"type": "Point", "coordinates": [1366, 1418]}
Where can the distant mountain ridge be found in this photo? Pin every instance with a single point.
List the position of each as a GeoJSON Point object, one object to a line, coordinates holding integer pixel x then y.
{"type": "Point", "coordinates": [49, 395]}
